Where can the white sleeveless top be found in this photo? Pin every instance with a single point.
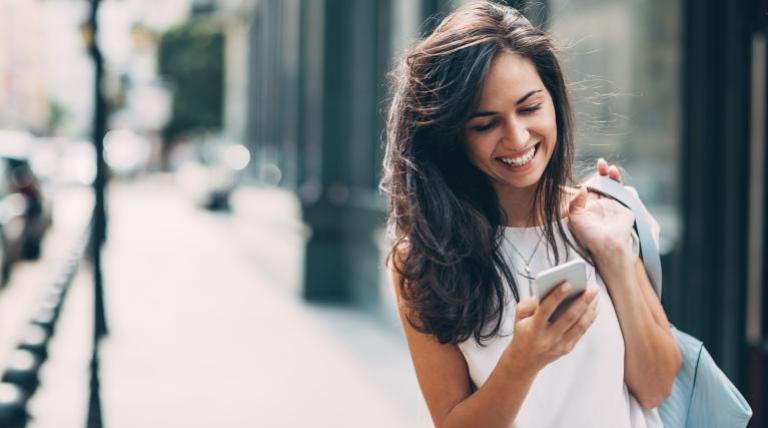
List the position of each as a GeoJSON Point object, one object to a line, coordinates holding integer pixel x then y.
{"type": "Point", "coordinates": [584, 388]}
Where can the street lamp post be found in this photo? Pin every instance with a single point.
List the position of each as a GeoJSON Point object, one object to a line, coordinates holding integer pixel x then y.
{"type": "Point", "coordinates": [98, 225]}
{"type": "Point", "coordinates": [98, 232]}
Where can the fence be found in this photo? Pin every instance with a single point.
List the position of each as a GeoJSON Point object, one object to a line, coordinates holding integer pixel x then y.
{"type": "Point", "coordinates": [21, 373]}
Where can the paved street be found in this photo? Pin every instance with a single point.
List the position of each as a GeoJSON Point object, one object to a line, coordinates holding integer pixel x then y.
{"type": "Point", "coordinates": [207, 331]}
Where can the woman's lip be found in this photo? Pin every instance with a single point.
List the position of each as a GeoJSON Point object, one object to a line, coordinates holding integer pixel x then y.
{"type": "Point", "coordinates": [518, 153]}
{"type": "Point", "coordinates": [522, 168]}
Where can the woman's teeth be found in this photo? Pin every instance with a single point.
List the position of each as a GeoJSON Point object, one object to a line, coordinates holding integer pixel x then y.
{"type": "Point", "coordinates": [522, 159]}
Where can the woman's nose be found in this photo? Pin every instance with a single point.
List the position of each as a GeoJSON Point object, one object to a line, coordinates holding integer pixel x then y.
{"type": "Point", "coordinates": [516, 133]}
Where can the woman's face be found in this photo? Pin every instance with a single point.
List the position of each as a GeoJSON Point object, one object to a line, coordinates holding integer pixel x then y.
{"type": "Point", "coordinates": [512, 134]}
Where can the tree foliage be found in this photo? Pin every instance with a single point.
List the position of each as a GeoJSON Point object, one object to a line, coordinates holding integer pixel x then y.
{"type": "Point", "coordinates": [191, 59]}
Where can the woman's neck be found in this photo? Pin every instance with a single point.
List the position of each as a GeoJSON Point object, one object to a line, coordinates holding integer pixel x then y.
{"type": "Point", "coordinates": [519, 208]}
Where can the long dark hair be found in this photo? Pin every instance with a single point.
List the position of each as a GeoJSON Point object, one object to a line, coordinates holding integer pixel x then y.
{"type": "Point", "coordinates": [445, 216]}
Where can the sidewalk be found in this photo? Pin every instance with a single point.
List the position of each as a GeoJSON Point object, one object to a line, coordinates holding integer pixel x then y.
{"type": "Point", "coordinates": [206, 329]}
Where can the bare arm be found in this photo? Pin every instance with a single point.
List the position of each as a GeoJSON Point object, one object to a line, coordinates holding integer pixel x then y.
{"type": "Point", "coordinates": [651, 358]}
{"type": "Point", "coordinates": [443, 375]}
{"type": "Point", "coordinates": [444, 381]}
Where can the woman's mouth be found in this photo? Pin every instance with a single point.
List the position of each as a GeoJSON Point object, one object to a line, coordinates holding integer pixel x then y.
{"type": "Point", "coordinates": [520, 162]}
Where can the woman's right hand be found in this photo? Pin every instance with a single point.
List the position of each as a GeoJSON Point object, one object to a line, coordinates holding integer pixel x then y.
{"type": "Point", "coordinates": [537, 341]}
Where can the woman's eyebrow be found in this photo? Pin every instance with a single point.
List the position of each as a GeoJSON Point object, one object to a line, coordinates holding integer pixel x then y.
{"type": "Point", "coordinates": [526, 96]}
{"type": "Point", "coordinates": [518, 102]}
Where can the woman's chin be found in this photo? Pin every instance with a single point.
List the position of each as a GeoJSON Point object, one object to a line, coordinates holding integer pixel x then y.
{"type": "Point", "coordinates": [518, 184]}
{"type": "Point", "coordinates": [522, 181]}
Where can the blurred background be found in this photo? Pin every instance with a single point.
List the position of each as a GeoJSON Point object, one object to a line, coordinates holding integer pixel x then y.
{"type": "Point", "coordinates": [191, 232]}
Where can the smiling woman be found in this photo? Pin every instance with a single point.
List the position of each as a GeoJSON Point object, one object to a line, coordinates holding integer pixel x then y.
{"type": "Point", "coordinates": [513, 133]}
{"type": "Point", "coordinates": [478, 171]}
{"type": "Point", "coordinates": [454, 107]}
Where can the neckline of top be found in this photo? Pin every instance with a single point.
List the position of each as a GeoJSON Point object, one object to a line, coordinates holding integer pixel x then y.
{"type": "Point", "coordinates": [532, 228]}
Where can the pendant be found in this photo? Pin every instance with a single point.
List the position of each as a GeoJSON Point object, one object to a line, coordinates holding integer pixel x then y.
{"type": "Point", "coordinates": [528, 270]}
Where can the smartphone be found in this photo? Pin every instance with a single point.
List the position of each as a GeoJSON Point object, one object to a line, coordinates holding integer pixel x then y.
{"type": "Point", "coordinates": [574, 272]}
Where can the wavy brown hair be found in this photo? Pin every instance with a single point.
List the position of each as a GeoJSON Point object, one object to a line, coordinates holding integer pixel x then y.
{"type": "Point", "coordinates": [447, 222]}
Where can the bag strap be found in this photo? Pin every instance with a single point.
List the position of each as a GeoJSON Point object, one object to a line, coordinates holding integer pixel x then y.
{"type": "Point", "coordinates": [650, 255]}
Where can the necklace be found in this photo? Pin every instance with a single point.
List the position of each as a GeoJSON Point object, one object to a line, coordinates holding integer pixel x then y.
{"type": "Point", "coordinates": [527, 263]}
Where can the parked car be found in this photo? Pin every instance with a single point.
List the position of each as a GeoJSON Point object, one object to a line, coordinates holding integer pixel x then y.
{"type": "Point", "coordinates": [38, 213]}
{"type": "Point", "coordinates": [13, 207]}
{"type": "Point", "coordinates": [25, 211]}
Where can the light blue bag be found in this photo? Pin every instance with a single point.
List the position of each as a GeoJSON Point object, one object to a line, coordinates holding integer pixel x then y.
{"type": "Point", "coordinates": [702, 396]}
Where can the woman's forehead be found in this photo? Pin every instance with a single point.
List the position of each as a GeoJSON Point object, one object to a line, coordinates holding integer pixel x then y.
{"type": "Point", "coordinates": [509, 78]}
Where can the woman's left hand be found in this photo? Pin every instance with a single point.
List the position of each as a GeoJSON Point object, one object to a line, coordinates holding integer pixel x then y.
{"type": "Point", "coordinates": [602, 225]}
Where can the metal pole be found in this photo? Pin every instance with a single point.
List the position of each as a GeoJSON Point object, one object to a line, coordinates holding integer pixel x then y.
{"type": "Point", "coordinates": [99, 214]}
{"type": "Point", "coordinates": [98, 225]}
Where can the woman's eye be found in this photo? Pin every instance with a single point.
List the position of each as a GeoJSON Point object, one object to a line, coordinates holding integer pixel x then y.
{"type": "Point", "coordinates": [531, 109]}
{"type": "Point", "coordinates": [484, 127]}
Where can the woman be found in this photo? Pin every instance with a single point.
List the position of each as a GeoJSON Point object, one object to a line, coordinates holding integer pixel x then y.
{"type": "Point", "coordinates": [477, 168]}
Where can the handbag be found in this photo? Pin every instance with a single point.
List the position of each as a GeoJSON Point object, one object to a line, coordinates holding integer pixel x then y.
{"type": "Point", "coordinates": [702, 395]}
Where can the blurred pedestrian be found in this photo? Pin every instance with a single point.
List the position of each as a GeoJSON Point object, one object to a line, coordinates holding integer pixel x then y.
{"type": "Point", "coordinates": [478, 171]}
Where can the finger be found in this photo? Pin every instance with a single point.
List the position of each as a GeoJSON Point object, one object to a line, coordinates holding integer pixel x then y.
{"type": "Point", "coordinates": [575, 311]}
{"type": "Point", "coordinates": [550, 302]}
{"type": "Point", "coordinates": [602, 167]}
{"type": "Point", "coordinates": [572, 335]}
{"type": "Point", "coordinates": [526, 308]}
{"type": "Point", "coordinates": [614, 173]}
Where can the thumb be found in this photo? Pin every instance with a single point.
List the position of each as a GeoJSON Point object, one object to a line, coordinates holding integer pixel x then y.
{"type": "Point", "coordinates": [580, 200]}
{"type": "Point", "coordinates": [526, 308]}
